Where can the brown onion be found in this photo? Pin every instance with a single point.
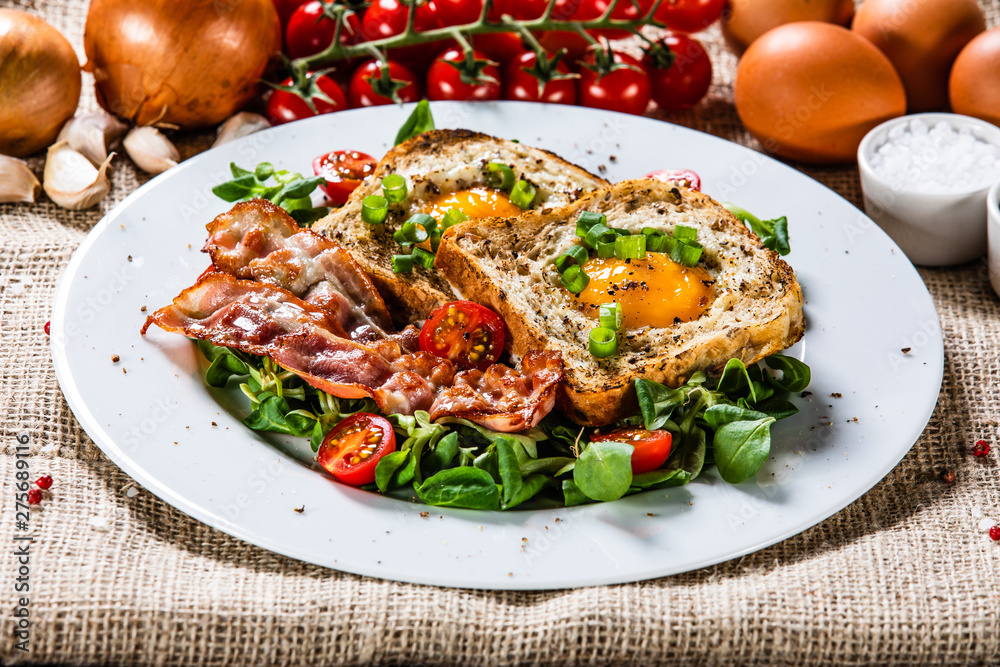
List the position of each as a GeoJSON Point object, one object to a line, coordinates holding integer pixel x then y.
{"type": "Point", "coordinates": [187, 64]}
{"type": "Point", "coordinates": [39, 83]}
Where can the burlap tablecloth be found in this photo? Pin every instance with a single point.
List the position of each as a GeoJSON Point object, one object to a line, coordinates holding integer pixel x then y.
{"type": "Point", "coordinates": [905, 575]}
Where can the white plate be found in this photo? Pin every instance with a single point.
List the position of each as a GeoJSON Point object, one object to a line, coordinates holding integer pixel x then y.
{"type": "Point", "coordinates": [185, 443]}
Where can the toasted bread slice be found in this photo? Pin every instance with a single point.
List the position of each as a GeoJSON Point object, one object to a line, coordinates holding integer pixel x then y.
{"type": "Point", "coordinates": [436, 163]}
{"type": "Point", "coordinates": [755, 309]}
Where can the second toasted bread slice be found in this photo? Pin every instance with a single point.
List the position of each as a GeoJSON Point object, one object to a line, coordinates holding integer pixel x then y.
{"type": "Point", "coordinates": [751, 309]}
{"type": "Point", "coordinates": [438, 165]}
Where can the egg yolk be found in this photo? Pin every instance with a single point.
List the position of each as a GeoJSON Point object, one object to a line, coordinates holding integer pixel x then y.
{"type": "Point", "coordinates": [475, 203]}
{"type": "Point", "coordinates": [651, 292]}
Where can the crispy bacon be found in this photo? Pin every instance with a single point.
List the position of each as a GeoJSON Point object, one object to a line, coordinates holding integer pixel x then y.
{"type": "Point", "coordinates": [263, 319]}
{"type": "Point", "coordinates": [260, 241]}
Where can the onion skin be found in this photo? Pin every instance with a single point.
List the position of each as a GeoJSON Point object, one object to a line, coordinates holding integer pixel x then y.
{"type": "Point", "coordinates": [39, 83]}
{"type": "Point", "coordinates": [189, 66]}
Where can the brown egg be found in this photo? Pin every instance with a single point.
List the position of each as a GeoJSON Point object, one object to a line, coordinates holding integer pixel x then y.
{"type": "Point", "coordinates": [974, 87]}
{"type": "Point", "coordinates": [746, 20]}
{"type": "Point", "coordinates": [922, 39]}
{"type": "Point", "coordinates": [810, 91]}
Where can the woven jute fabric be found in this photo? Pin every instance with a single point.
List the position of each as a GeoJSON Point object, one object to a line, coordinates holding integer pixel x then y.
{"type": "Point", "coordinates": [903, 576]}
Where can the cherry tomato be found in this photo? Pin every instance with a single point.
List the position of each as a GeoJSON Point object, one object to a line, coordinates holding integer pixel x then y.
{"type": "Point", "coordinates": [519, 85]}
{"type": "Point", "coordinates": [651, 447]}
{"type": "Point", "coordinates": [385, 18]}
{"type": "Point", "coordinates": [685, 177]}
{"type": "Point", "coordinates": [362, 94]}
{"type": "Point", "coordinates": [690, 15]}
{"type": "Point", "coordinates": [286, 8]}
{"type": "Point", "coordinates": [571, 10]}
{"type": "Point", "coordinates": [352, 448]}
{"type": "Point", "coordinates": [625, 89]}
{"type": "Point", "coordinates": [343, 171]}
{"type": "Point", "coordinates": [284, 107]}
{"type": "Point", "coordinates": [501, 47]}
{"type": "Point", "coordinates": [458, 12]}
{"type": "Point", "coordinates": [469, 335]}
{"type": "Point", "coordinates": [685, 82]}
{"type": "Point", "coordinates": [309, 31]}
{"type": "Point", "coordinates": [444, 81]}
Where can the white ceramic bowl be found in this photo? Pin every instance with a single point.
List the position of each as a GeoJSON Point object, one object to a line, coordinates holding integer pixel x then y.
{"type": "Point", "coordinates": [993, 208]}
{"type": "Point", "coordinates": [932, 229]}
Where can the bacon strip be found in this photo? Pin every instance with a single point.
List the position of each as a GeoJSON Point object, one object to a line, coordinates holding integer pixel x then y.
{"type": "Point", "coordinates": [262, 319]}
{"type": "Point", "coordinates": [260, 241]}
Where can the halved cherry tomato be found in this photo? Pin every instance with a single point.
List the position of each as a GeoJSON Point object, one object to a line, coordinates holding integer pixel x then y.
{"type": "Point", "coordinates": [469, 335]}
{"type": "Point", "coordinates": [284, 107]}
{"type": "Point", "coordinates": [651, 447]}
{"type": "Point", "coordinates": [352, 448]}
{"type": "Point", "coordinates": [518, 84]}
{"type": "Point", "coordinates": [685, 177]}
{"type": "Point", "coordinates": [343, 171]}
{"type": "Point", "coordinates": [362, 93]}
{"type": "Point", "coordinates": [444, 81]}
{"type": "Point", "coordinates": [309, 31]}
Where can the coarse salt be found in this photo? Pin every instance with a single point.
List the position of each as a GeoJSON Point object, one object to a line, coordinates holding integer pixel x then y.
{"type": "Point", "coordinates": [936, 159]}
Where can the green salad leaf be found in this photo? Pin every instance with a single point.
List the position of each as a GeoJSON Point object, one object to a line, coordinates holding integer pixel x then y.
{"type": "Point", "coordinates": [290, 190]}
{"type": "Point", "coordinates": [773, 233]}
{"type": "Point", "coordinates": [420, 120]}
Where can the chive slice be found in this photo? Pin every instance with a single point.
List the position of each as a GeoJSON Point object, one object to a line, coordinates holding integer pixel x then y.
{"type": "Point", "coordinates": [374, 209]}
{"type": "Point", "coordinates": [606, 250]}
{"type": "Point", "coordinates": [654, 242]}
{"type": "Point", "coordinates": [394, 188]}
{"type": "Point", "coordinates": [687, 253]}
{"type": "Point", "coordinates": [412, 231]}
{"type": "Point", "coordinates": [630, 247]}
{"type": "Point", "coordinates": [587, 220]}
{"type": "Point", "coordinates": [402, 263]}
{"type": "Point", "coordinates": [683, 233]}
{"type": "Point", "coordinates": [500, 176]}
{"type": "Point", "coordinates": [610, 315]}
{"type": "Point", "coordinates": [574, 279]}
{"type": "Point", "coordinates": [523, 194]}
{"type": "Point", "coordinates": [603, 342]}
{"type": "Point", "coordinates": [576, 254]}
{"type": "Point", "coordinates": [666, 244]}
{"type": "Point", "coordinates": [453, 216]}
{"type": "Point", "coordinates": [651, 231]}
{"type": "Point", "coordinates": [423, 258]}
{"type": "Point", "coordinates": [599, 234]}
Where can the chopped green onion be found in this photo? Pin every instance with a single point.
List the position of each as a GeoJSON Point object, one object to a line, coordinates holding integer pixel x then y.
{"type": "Point", "coordinates": [374, 209]}
{"type": "Point", "coordinates": [610, 315]}
{"type": "Point", "coordinates": [413, 232]}
{"type": "Point", "coordinates": [651, 231]}
{"type": "Point", "coordinates": [436, 239]}
{"type": "Point", "coordinates": [576, 254]}
{"type": "Point", "coordinates": [500, 176]}
{"type": "Point", "coordinates": [402, 263]}
{"type": "Point", "coordinates": [423, 258]}
{"type": "Point", "coordinates": [453, 216]}
{"type": "Point", "coordinates": [603, 342]}
{"type": "Point", "coordinates": [574, 279]}
{"type": "Point", "coordinates": [620, 232]}
{"type": "Point", "coordinates": [606, 250]}
{"type": "Point", "coordinates": [394, 187]}
{"type": "Point", "coordinates": [683, 233]}
{"type": "Point", "coordinates": [428, 222]}
{"type": "Point", "coordinates": [523, 194]}
{"type": "Point", "coordinates": [599, 234]}
{"type": "Point", "coordinates": [630, 247]}
{"type": "Point", "coordinates": [687, 253]}
{"type": "Point", "coordinates": [587, 220]}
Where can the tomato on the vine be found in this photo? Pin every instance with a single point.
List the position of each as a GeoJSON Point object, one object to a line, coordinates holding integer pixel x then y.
{"type": "Point", "coordinates": [458, 12]}
{"type": "Point", "coordinates": [685, 177]}
{"type": "Point", "coordinates": [498, 46]}
{"type": "Point", "coordinates": [444, 80]}
{"type": "Point", "coordinates": [690, 15]}
{"type": "Point", "coordinates": [386, 18]}
{"type": "Point", "coordinates": [284, 107]}
{"type": "Point", "coordinates": [310, 31]}
{"type": "Point", "coordinates": [518, 84]}
{"type": "Point", "coordinates": [685, 80]}
{"type": "Point", "coordinates": [469, 335]}
{"type": "Point", "coordinates": [625, 89]}
{"type": "Point", "coordinates": [343, 171]}
{"type": "Point", "coordinates": [286, 8]}
{"type": "Point", "coordinates": [352, 449]}
{"type": "Point", "coordinates": [368, 90]}
{"type": "Point", "coordinates": [651, 448]}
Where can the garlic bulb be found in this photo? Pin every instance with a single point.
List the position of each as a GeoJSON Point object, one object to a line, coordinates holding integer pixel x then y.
{"type": "Point", "coordinates": [240, 125]}
{"type": "Point", "coordinates": [92, 134]}
{"type": "Point", "coordinates": [17, 182]}
{"type": "Point", "coordinates": [71, 181]}
{"type": "Point", "coordinates": [150, 150]}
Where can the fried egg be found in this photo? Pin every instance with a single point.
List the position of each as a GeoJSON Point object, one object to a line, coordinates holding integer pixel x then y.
{"type": "Point", "coordinates": [477, 202]}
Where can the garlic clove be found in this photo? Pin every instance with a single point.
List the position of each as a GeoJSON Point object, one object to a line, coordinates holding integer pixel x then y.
{"type": "Point", "coordinates": [150, 150]}
{"type": "Point", "coordinates": [71, 181]}
{"type": "Point", "coordinates": [240, 125]}
{"type": "Point", "coordinates": [17, 182]}
{"type": "Point", "coordinates": [92, 134]}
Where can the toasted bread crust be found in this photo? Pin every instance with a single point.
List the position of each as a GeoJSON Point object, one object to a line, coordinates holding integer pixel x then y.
{"type": "Point", "coordinates": [432, 162]}
{"type": "Point", "coordinates": [507, 265]}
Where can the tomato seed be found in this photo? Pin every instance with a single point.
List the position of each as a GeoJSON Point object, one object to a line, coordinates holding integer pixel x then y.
{"type": "Point", "coordinates": [34, 496]}
{"type": "Point", "coordinates": [44, 482]}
